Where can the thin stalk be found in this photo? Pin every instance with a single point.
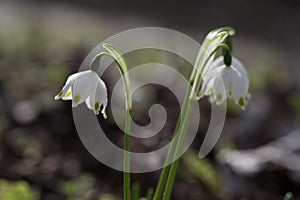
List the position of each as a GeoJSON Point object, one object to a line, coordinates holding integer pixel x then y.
{"type": "Point", "coordinates": [165, 172]}
{"type": "Point", "coordinates": [159, 192]}
{"type": "Point", "coordinates": [121, 62]}
{"type": "Point", "coordinates": [186, 115]}
{"type": "Point", "coordinates": [127, 190]}
{"type": "Point", "coordinates": [123, 69]}
{"type": "Point", "coordinates": [179, 145]}
{"type": "Point", "coordinates": [195, 81]}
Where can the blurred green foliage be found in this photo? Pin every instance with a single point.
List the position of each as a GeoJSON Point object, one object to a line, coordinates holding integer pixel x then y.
{"type": "Point", "coordinates": [108, 197]}
{"type": "Point", "coordinates": [20, 190]}
{"type": "Point", "coordinates": [79, 188]}
{"type": "Point", "coordinates": [294, 100]}
{"type": "Point", "coordinates": [288, 196]}
{"type": "Point", "coordinates": [83, 188]}
{"type": "Point", "coordinates": [201, 169]}
{"type": "Point", "coordinates": [2, 124]}
{"type": "Point", "coordinates": [136, 193]}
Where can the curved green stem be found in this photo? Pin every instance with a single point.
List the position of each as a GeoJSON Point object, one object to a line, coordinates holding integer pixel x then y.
{"type": "Point", "coordinates": [122, 66]}
{"type": "Point", "coordinates": [118, 56]}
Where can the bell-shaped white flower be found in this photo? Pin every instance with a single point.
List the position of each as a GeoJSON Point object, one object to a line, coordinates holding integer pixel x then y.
{"type": "Point", "coordinates": [221, 82]}
{"type": "Point", "coordinates": [85, 87]}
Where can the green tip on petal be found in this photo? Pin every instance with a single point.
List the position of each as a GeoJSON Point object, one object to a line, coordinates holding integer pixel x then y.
{"type": "Point", "coordinates": [58, 96]}
{"type": "Point", "coordinates": [97, 106]}
{"type": "Point", "coordinates": [76, 98]}
{"type": "Point", "coordinates": [241, 102]}
{"type": "Point", "coordinates": [69, 94]}
{"type": "Point", "coordinates": [219, 97]}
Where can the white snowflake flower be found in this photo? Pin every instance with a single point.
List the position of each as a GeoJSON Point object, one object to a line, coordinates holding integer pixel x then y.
{"type": "Point", "coordinates": [221, 82]}
{"type": "Point", "coordinates": [85, 87]}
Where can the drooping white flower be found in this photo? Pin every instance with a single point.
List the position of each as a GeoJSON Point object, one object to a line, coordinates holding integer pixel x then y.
{"type": "Point", "coordinates": [85, 87]}
{"type": "Point", "coordinates": [221, 82]}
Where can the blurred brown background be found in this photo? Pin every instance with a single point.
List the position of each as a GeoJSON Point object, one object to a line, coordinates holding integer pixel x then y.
{"type": "Point", "coordinates": [42, 42]}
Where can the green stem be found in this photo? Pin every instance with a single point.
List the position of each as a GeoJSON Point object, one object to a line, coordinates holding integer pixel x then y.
{"type": "Point", "coordinates": [118, 56]}
{"type": "Point", "coordinates": [165, 171]}
{"type": "Point", "coordinates": [164, 174]}
{"type": "Point", "coordinates": [164, 177]}
{"type": "Point", "coordinates": [169, 173]}
{"type": "Point", "coordinates": [122, 66]}
{"type": "Point", "coordinates": [183, 128]}
{"type": "Point", "coordinates": [182, 133]}
{"type": "Point", "coordinates": [127, 190]}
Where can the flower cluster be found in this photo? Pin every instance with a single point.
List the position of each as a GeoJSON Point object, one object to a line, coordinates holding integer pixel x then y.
{"type": "Point", "coordinates": [222, 78]}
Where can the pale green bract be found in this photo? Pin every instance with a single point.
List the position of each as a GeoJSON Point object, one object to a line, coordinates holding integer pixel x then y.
{"type": "Point", "coordinates": [86, 87]}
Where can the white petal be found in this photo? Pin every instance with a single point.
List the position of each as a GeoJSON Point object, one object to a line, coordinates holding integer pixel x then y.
{"type": "Point", "coordinates": [83, 86]}
{"type": "Point", "coordinates": [229, 75]}
{"type": "Point", "coordinates": [219, 90]}
{"type": "Point", "coordinates": [88, 103]}
{"type": "Point", "coordinates": [236, 64]}
{"type": "Point", "coordinates": [240, 92]}
{"type": "Point", "coordinates": [65, 93]}
{"type": "Point", "coordinates": [100, 98]}
{"type": "Point", "coordinates": [240, 86]}
{"type": "Point", "coordinates": [92, 97]}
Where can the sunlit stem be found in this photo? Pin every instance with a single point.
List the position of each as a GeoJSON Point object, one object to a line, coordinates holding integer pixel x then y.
{"type": "Point", "coordinates": [159, 192]}
{"type": "Point", "coordinates": [123, 69]}
{"type": "Point", "coordinates": [165, 171]}
{"type": "Point", "coordinates": [166, 181]}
